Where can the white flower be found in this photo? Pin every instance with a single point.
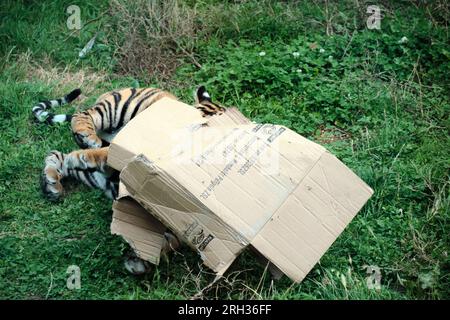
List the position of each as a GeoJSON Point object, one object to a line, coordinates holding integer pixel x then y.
{"type": "Point", "coordinates": [299, 70]}
{"type": "Point", "coordinates": [262, 54]}
{"type": "Point", "coordinates": [403, 40]}
{"type": "Point", "coordinates": [322, 50]}
{"type": "Point", "coordinates": [296, 54]}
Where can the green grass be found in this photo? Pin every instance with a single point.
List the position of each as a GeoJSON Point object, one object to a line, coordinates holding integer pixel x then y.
{"type": "Point", "coordinates": [381, 106]}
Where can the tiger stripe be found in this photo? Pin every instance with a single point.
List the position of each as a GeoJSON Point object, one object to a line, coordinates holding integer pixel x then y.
{"type": "Point", "coordinates": [110, 113]}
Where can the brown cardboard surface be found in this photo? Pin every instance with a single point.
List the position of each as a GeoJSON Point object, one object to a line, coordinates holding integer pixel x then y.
{"type": "Point", "coordinates": [312, 217]}
{"type": "Point", "coordinates": [188, 218]}
{"type": "Point", "coordinates": [142, 231]}
{"type": "Point", "coordinates": [231, 183]}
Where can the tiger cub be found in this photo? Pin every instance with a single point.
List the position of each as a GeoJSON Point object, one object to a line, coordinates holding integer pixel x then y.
{"type": "Point", "coordinates": [92, 130]}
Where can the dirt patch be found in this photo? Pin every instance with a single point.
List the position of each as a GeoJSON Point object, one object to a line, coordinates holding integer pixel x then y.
{"type": "Point", "coordinates": [329, 135]}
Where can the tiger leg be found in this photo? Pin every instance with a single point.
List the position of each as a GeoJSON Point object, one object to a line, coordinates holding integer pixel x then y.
{"type": "Point", "coordinates": [87, 166]}
{"type": "Point", "coordinates": [52, 175]}
{"type": "Point", "coordinates": [84, 131]}
{"type": "Point", "coordinates": [98, 180]}
{"type": "Point", "coordinates": [88, 159]}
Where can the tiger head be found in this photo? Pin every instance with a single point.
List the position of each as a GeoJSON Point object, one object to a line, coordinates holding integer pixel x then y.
{"type": "Point", "coordinates": [204, 103]}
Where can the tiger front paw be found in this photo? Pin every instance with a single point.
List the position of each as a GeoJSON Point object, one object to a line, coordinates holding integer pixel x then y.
{"type": "Point", "coordinates": [88, 141]}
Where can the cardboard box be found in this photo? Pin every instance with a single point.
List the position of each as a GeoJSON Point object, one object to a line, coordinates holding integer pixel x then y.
{"type": "Point", "coordinates": [223, 184]}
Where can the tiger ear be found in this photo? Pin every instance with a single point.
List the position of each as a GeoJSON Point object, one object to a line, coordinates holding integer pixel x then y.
{"type": "Point", "coordinates": [201, 95]}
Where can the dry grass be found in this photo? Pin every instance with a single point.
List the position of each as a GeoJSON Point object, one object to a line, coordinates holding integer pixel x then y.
{"type": "Point", "coordinates": [159, 36]}
{"type": "Point", "coordinates": [61, 79]}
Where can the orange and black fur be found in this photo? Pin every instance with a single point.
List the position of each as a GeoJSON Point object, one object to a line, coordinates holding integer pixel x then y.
{"type": "Point", "coordinates": [108, 115]}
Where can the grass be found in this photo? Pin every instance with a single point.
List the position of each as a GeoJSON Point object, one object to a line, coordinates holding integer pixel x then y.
{"type": "Point", "coordinates": [379, 104]}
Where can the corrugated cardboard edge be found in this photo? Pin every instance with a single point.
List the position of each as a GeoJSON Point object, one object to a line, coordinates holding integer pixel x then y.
{"type": "Point", "coordinates": [135, 225]}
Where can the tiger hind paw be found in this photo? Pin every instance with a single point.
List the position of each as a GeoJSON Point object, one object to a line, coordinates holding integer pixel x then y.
{"type": "Point", "coordinates": [51, 176]}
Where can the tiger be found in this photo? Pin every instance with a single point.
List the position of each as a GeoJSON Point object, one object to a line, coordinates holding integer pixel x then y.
{"type": "Point", "coordinates": [93, 130]}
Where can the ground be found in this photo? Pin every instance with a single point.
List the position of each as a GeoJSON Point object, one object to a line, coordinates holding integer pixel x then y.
{"type": "Point", "coordinates": [375, 97]}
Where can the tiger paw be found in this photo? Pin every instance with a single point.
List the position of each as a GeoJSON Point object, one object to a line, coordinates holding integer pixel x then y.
{"type": "Point", "coordinates": [87, 140]}
{"type": "Point", "coordinates": [51, 176]}
{"type": "Point", "coordinates": [136, 265]}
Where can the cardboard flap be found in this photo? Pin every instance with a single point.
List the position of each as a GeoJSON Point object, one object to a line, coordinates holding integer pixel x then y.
{"type": "Point", "coordinates": [143, 232]}
{"type": "Point", "coordinates": [243, 173]}
{"type": "Point", "coordinates": [180, 211]}
{"type": "Point", "coordinates": [222, 183]}
{"type": "Point", "coordinates": [312, 217]}
{"type": "Point", "coordinates": [123, 192]}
